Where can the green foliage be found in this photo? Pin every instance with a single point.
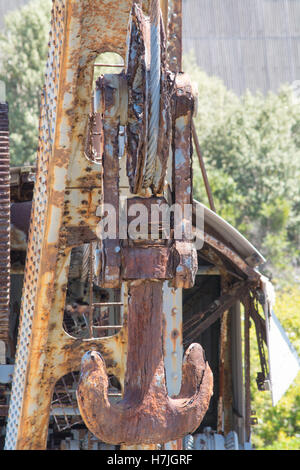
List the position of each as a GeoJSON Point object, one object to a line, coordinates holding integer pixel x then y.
{"type": "Point", "coordinates": [251, 149]}
{"type": "Point", "coordinates": [24, 47]}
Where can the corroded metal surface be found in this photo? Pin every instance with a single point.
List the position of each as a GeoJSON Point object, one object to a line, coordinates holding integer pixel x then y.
{"type": "Point", "coordinates": [183, 106]}
{"type": "Point", "coordinates": [4, 223]}
{"type": "Point", "coordinates": [175, 36]}
{"type": "Point", "coordinates": [19, 225]}
{"type": "Point", "coordinates": [111, 100]}
{"type": "Point", "coordinates": [22, 181]}
{"type": "Point", "coordinates": [202, 320]}
{"type": "Point", "coordinates": [146, 414]}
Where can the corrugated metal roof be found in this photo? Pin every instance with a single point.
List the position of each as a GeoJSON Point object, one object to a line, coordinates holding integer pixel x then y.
{"type": "Point", "coordinates": [251, 45]}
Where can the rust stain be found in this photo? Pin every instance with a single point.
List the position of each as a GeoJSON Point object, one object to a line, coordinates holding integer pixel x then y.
{"type": "Point", "coordinates": [175, 37]}
{"type": "Point", "coordinates": [82, 30]}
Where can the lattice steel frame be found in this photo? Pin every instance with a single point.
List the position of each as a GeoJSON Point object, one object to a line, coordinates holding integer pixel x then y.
{"type": "Point", "coordinates": [66, 196]}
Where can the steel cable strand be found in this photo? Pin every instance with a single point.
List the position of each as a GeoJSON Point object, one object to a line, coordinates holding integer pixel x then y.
{"type": "Point", "coordinates": [155, 18]}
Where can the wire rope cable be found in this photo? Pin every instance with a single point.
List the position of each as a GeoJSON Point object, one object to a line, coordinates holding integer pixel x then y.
{"type": "Point", "coordinates": [155, 73]}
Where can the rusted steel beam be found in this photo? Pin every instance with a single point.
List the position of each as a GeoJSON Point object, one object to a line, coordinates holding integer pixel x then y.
{"type": "Point", "coordinates": [164, 4]}
{"type": "Point", "coordinates": [22, 181]}
{"type": "Point", "coordinates": [225, 413]}
{"type": "Point", "coordinates": [232, 256]}
{"type": "Point", "coordinates": [173, 347]}
{"type": "Point", "coordinates": [4, 222]}
{"type": "Point", "coordinates": [146, 414]}
{"type": "Point", "coordinates": [3, 410]}
{"type": "Point", "coordinates": [221, 249]}
{"type": "Point", "coordinates": [91, 278]}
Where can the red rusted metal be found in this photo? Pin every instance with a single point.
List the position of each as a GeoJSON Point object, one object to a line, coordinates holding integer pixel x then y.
{"type": "Point", "coordinates": [196, 325]}
{"type": "Point", "coordinates": [247, 308]}
{"type": "Point", "coordinates": [4, 222]}
{"type": "Point", "coordinates": [22, 181]}
{"type": "Point", "coordinates": [146, 414]}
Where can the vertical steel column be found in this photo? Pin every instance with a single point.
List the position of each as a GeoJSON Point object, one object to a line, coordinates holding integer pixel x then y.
{"type": "Point", "coordinates": [247, 368]}
{"type": "Point", "coordinates": [164, 4]}
{"type": "Point", "coordinates": [173, 349]}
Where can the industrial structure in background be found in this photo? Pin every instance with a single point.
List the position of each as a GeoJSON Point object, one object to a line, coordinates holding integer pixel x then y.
{"type": "Point", "coordinates": [93, 329]}
{"type": "Point", "coordinates": [250, 45]}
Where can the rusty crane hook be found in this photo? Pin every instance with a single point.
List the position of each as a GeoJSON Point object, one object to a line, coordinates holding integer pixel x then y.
{"type": "Point", "coordinates": [146, 414]}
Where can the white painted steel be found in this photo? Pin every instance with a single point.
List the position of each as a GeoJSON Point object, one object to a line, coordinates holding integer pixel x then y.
{"type": "Point", "coordinates": [172, 309]}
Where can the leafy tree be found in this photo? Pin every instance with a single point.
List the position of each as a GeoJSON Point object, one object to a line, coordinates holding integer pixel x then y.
{"type": "Point", "coordinates": [23, 58]}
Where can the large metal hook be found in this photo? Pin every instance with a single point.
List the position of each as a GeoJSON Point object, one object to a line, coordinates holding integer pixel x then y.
{"type": "Point", "coordinates": [146, 414]}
